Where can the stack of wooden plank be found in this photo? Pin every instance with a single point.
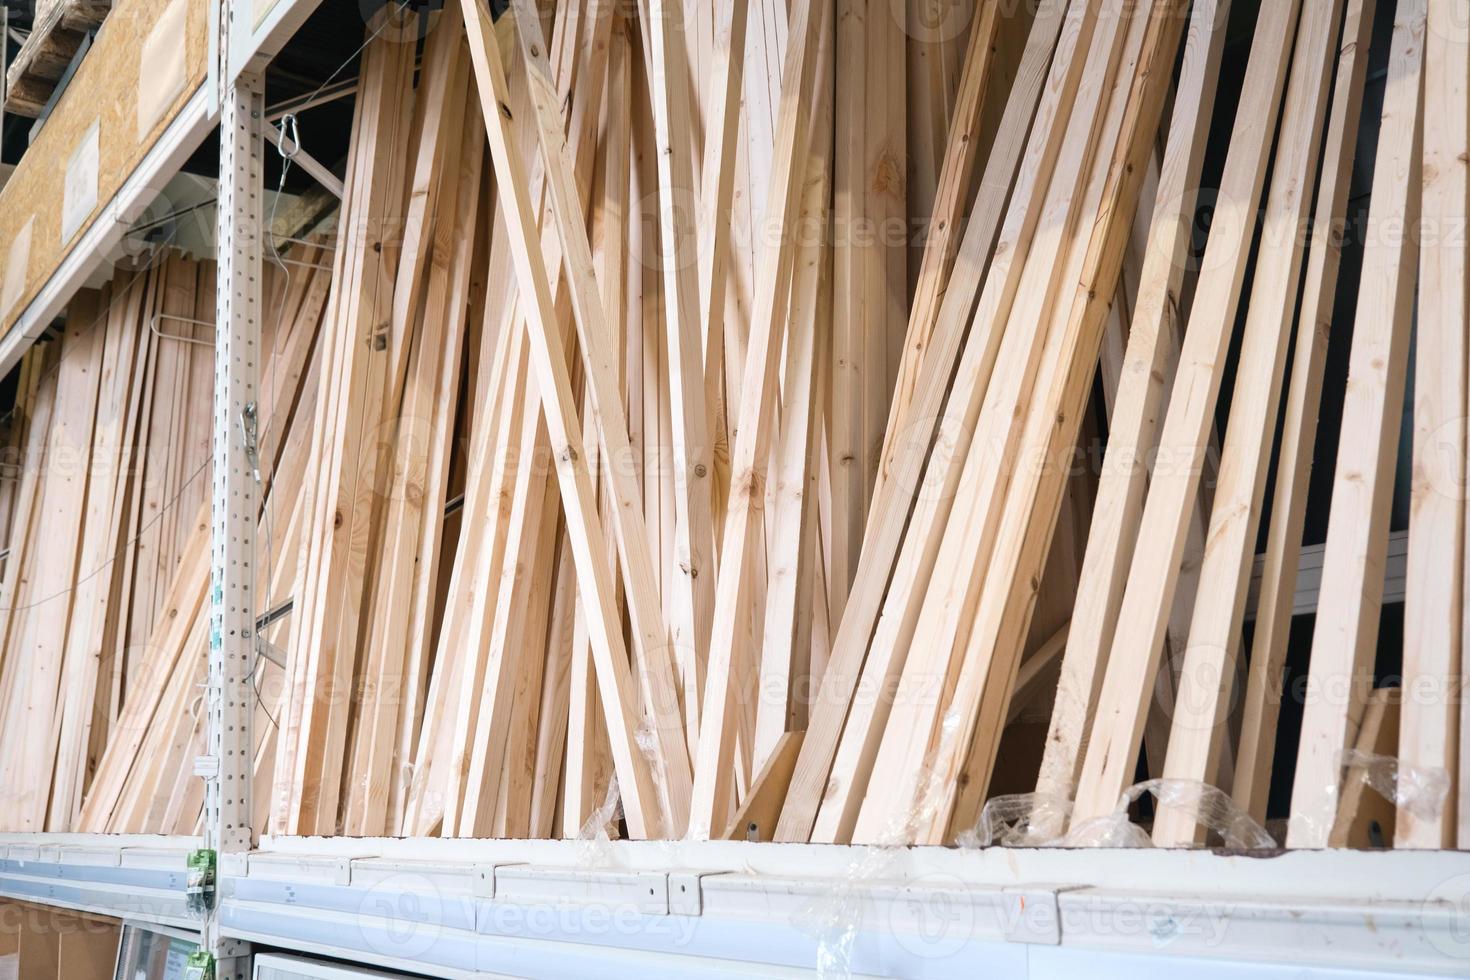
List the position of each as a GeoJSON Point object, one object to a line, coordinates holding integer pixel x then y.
{"type": "Point", "coordinates": [107, 509]}
{"type": "Point", "coordinates": [812, 420]}
{"type": "Point", "coordinates": [144, 778]}
{"type": "Point", "coordinates": [111, 472]}
{"type": "Point", "coordinates": [58, 30]}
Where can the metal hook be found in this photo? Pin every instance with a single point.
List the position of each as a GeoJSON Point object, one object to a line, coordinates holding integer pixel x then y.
{"type": "Point", "coordinates": [286, 130]}
{"type": "Point", "coordinates": [154, 329]}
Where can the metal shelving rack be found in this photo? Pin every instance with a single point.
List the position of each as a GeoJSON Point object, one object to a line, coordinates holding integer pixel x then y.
{"type": "Point", "coordinates": [640, 909]}
{"type": "Point", "coordinates": [643, 909]}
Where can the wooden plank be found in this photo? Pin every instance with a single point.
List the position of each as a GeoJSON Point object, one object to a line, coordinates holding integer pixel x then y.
{"type": "Point", "coordinates": [1364, 817]}
{"type": "Point", "coordinates": [756, 818]}
{"type": "Point", "coordinates": [503, 437]}
{"type": "Point", "coordinates": [962, 152]}
{"type": "Point", "coordinates": [1152, 341]}
{"type": "Point", "coordinates": [1117, 728]}
{"type": "Point", "coordinates": [716, 201]}
{"type": "Point", "coordinates": [1041, 217]}
{"type": "Point", "coordinates": [860, 609]}
{"type": "Point", "coordinates": [1433, 607]}
{"type": "Point", "coordinates": [713, 800]}
{"type": "Point", "coordinates": [645, 814]}
{"type": "Point", "coordinates": [1346, 633]}
{"type": "Point", "coordinates": [657, 676]}
{"type": "Point", "coordinates": [112, 451]}
{"type": "Point", "coordinates": [29, 764]}
{"type": "Point", "coordinates": [586, 768]}
{"type": "Point", "coordinates": [350, 413]}
{"type": "Point", "coordinates": [693, 579]}
{"type": "Point", "coordinates": [1207, 680]}
{"type": "Point", "coordinates": [870, 270]}
{"type": "Point", "coordinates": [785, 646]}
{"type": "Point", "coordinates": [981, 680]}
{"type": "Point", "coordinates": [1274, 611]}
{"type": "Point", "coordinates": [415, 501]}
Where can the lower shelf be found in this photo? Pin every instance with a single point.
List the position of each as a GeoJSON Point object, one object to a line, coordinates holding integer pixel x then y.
{"type": "Point", "coordinates": [636, 909]}
{"type": "Point", "coordinates": [138, 878]}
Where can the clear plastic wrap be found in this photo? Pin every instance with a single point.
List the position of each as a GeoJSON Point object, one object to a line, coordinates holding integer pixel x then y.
{"type": "Point", "coordinates": [1016, 821]}
{"type": "Point", "coordinates": [836, 918]}
{"type": "Point", "coordinates": [1019, 820]}
{"type": "Point", "coordinates": [596, 842]}
{"type": "Point", "coordinates": [1421, 790]}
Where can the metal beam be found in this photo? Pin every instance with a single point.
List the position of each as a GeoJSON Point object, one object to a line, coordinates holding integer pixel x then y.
{"type": "Point", "coordinates": [232, 653]}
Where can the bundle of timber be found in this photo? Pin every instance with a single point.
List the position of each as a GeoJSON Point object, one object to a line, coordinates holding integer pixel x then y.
{"type": "Point", "coordinates": [711, 443]}
{"type": "Point", "coordinates": [106, 502]}
{"type": "Point", "coordinates": [59, 28]}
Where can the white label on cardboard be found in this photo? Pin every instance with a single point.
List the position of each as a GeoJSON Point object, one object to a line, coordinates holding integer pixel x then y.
{"type": "Point", "coordinates": [80, 197]}
{"type": "Point", "coordinates": [17, 265]}
{"type": "Point", "coordinates": [161, 66]}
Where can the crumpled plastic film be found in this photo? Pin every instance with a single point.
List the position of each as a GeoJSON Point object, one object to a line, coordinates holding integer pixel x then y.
{"type": "Point", "coordinates": [646, 738]}
{"type": "Point", "coordinates": [1213, 808]}
{"type": "Point", "coordinates": [1421, 790]}
{"type": "Point", "coordinates": [1019, 820]}
{"type": "Point", "coordinates": [596, 842]}
{"type": "Point", "coordinates": [836, 917]}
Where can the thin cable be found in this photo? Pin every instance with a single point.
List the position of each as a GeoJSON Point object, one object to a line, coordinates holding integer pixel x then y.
{"type": "Point", "coordinates": [290, 124]}
{"type": "Point", "coordinates": [166, 508]}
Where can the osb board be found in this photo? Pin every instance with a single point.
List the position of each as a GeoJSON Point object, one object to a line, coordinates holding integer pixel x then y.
{"type": "Point", "coordinates": [104, 92]}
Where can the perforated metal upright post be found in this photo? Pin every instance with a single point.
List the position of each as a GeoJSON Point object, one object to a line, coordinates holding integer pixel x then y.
{"type": "Point", "coordinates": [235, 506]}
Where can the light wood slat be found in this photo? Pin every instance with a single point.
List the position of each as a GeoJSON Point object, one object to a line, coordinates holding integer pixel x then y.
{"type": "Point", "coordinates": [693, 578]}
{"type": "Point", "coordinates": [962, 154]}
{"type": "Point", "coordinates": [657, 676]}
{"type": "Point", "coordinates": [112, 453]}
{"type": "Point", "coordinates": [1362, 805]}
{"type": "Point", "coordinates": [645, 812]}
{"type": "Point", "coordinates": [503, 441]}
{"type": "Point", "coordinates": [713, 799]}
{"type": "Point", "coordinates": [716, 201]}
{"type": "Point", "coordinates": [870, 271]}
{"type": "Point", "coordinates": [1276, 607]}
{"type": "Point", "coordinates": [586, 769]}
{"type": "Point", "coordinates": [1433, 607]}
{"type": "Point", "coordinates": [1040, 208]}
{"type": "Point", "coordinates": [1117, 728]}
{"type": "Point", "coordinates": [1061, 366]}
{"type": "Point", "coordinates": [1151, 349]}
{"type": "Point", "coordinates": [992, 657]}
{"type": "Point", "coordinates": [309, 770]}
{"type": "Point", "coordinates": [785, 643]}
{"type": "Point", "coordinates": [29, 760]}
{"type": "Point", "coordinates": [1348, 608]}
{"type": "Point", "coordinates": [552, 747]}
{"type": "Point", "coordinates": [415, 502]}
{"type": "Point", "coordinates": [498, 493]}
{"type": "Point", "coordinates": [1207, 679]}
{"type": "Point", "coordinates": [860, 608]}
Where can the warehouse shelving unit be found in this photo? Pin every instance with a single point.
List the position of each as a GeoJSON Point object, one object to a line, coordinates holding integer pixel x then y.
{"type": "Point", "coordinates": [547, 908]}
{"type": "Point", "coordinates": [557, 908]}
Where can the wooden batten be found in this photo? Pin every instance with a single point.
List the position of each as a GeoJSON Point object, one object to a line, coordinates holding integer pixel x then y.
{"type": "Point", "coordinates": [787, 422]}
